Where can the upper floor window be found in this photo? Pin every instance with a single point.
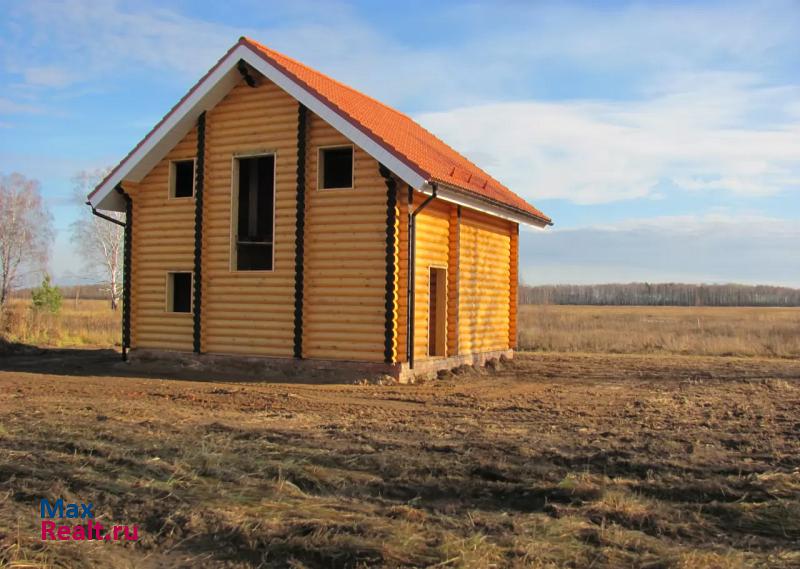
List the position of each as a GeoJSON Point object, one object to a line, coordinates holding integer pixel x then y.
{"type": "Point", "coordinates": [335, 168]}
{"type": "Point", "coordinates": [181, 178]}
{"type": "Point", "coordinates": [254, 213]}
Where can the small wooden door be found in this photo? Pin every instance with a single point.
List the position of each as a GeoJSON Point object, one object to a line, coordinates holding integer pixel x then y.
{"type": "Point", "coordinates": [437, 312]}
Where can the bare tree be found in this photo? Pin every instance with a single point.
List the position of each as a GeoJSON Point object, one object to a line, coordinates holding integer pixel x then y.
{"type": "Point", "coordinates": [26, 231]}
{"type": "Point", "coordinates": [99, 241]}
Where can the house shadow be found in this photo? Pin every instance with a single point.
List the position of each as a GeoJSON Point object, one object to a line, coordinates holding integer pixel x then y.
{"type": "Point", "coordinates": [108, 362]}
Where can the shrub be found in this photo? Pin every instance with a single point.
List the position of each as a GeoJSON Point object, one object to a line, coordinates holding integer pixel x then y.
{"type": "Point", "coordinates": [47, 297]}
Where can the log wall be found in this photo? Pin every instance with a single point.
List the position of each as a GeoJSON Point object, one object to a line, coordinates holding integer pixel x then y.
{"type": "Point", "coordinates": [344, 312]}
{"type": "Point", "coordinates": [484, 283]}
{"type": "Point", "coordinates": [249, 312]}
{"type": "Point", "coordinates": [432, 250]}
{"type": "Point", "coordinates": [163, 241]}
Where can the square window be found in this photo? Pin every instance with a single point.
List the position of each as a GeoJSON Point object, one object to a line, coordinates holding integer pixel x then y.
{"type": "Point", "coordinates": [181, 179]}
{"type": "Point", "coordinates": [336, 168]}
{"type": "Point", "coordinates": [179, 292]}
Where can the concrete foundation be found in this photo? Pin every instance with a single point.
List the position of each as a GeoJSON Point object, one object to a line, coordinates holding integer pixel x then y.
{"type": "Point", "coordinates": [258, 368]}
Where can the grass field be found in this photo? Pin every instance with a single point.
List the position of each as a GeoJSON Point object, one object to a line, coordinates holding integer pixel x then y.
{"type": "Point", "coordinates": [583, 461]}
{"type": "Point", "coordinates": [82, 323]}
{"type": "Point", "coordinates": [768, 332]}
{"type": "Point", "coordinates": [734, 331]}
{"type": "Point", "coordinates": [647, 455]}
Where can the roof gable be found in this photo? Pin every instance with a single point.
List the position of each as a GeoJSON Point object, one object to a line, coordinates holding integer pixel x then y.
{"type": "Point", "coordinates": [391, 137]}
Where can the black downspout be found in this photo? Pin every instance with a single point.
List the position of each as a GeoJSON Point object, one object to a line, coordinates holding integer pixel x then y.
{"type": "Point", "coordinates": [199, 179]}
{"type": "Point", "coordinates": [412, 264]}
{"type": "Point", "coordinates": [104, 216]}
{"type": "Point", "coordinates": [126, 273]}
{"type": "Point", "coordinates": [391, 240]}
{"type": "Point", "coordinates": [300, 229]}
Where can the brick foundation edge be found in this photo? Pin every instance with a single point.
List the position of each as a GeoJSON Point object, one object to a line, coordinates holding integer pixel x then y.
{"type": "Point", "coordinates": [292, 370]}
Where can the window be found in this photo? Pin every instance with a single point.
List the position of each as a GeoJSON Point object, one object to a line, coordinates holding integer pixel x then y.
{"type": "Point", "coordinates": [254, 205]}
{"type": "Point", "coordinates": [181, 179]}
{"type": "Point", "coordinates": [336, 168]}
{"type": "Point", "coordinates": [179, 292]}
{"type": "Point", "coordinates": [437, 312]}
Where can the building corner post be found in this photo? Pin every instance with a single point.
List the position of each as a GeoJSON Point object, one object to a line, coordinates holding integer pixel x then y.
{"type": "Point", "coordinates": [300, 225]}
{"type": "Point", "coordinates": [513, 287]}
{"type": "Point", "coordinates": [390, 341]}
{"type": "Point", "coordinates": [197, 279]}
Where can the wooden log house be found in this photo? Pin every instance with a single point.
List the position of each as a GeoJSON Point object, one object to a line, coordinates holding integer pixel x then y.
{"type": "Point", "coordinates": [272, 215]}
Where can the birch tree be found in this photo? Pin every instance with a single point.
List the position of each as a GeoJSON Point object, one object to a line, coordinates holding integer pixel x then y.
{"type": "Point", "coordinates": [99, 241]}
{"type": "Point", "coordinates": [26, 231]}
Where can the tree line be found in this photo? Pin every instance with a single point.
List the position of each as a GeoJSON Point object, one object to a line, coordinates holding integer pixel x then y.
{"type": "Point", "coordinates": [661, 294]}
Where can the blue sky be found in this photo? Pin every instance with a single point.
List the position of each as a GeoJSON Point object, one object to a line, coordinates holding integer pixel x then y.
{"type": "Point", "coordinates": [662, 137]}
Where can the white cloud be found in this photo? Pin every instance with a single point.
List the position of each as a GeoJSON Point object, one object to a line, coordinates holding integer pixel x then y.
{"type": "Point", "coordinates": [703, 137]}
{"type": "Point", "coordinates": [675, 36]}
{"type": "Point", "coordinates": [9, 107]}
{"type": "Point", "coordinates": [711, 248]}
{"type": "Point", "coordinates": [48, 76]}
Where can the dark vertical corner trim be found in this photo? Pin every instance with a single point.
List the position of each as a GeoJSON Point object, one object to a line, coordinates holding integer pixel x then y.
{"type": "Point", "coordinates": [126, 272]}
{"type": "Point", "coordinates": [409, 278]}
{"type": "Point", "coordinates": [300, 230]}
{"type": "Point", "coordinates": [391, 268]}
{"type": "Point", "coordinates": [457, 292]}
{"type": "Point", "coordinates": [197, 279]}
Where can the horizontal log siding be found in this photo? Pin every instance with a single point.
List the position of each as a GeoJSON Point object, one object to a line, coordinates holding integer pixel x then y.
{"type": "Point", "coordinates": [452, 284]}
{"type": "Point", "coordinates": [432, 249]}
{"type": "Point", "coordinates": [344, 313]}
{"type": "Point", "coordinates": [163, 241]}
{"type": "Point", "coordinates": [249, 312]}
{"type": "Point", "coordinates": [484, 283]}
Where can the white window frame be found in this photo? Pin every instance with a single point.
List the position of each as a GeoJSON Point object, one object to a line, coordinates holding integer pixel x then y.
{"type": "Point", "coordinates": [320, 166]}
{"type": "Point", "coordinates": [169, 307]}
{"type": "Point", "coordinates": [234, 219]}
{"type": "Point", "coordinates": [171, 188]}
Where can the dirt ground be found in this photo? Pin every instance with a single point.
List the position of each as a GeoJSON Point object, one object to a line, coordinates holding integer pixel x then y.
{"type": "Point", "coordinates": [552, 461]}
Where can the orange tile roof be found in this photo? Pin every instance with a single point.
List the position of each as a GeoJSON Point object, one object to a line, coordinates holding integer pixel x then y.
{"type": "Point", "coordinates": [399, 134]}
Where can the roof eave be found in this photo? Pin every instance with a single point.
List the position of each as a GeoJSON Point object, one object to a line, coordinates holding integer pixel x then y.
{"type": "Point", "coordinates": [466, 198]}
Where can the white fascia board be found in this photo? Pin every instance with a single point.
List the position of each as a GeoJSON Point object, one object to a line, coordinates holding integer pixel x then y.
{"type": "Point", "coordinates": [206, 95]}
{"type": "Point", "coordinates": [167, 134]}
{"type": "Point", "coordinates": [461, 198]}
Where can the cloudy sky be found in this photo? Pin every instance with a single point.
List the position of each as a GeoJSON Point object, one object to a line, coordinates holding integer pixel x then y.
{"type": "Point", "coordinates": [662, 137]}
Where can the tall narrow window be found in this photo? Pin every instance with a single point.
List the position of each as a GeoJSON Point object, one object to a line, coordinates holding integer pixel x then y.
{"type": "Point", "coordinates": [181, 179]}
{"type": "Point", "coordinates": [255, 208]}
{"type": "Point", "coordinates": [179, 292]}
{"type": "Point", "coordinates": [336, 168]}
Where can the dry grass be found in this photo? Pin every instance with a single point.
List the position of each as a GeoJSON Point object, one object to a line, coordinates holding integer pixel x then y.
{"type": "Point", "coordinates": [85, 323]}
{"type": "Point", "coordinates": [767, 332]}
{"type": "Point", "coordinates": [578, 461]}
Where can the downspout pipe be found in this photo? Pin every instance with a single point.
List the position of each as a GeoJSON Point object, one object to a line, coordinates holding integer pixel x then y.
{"type": "Point", "coordinates": [126, 267]}
{"type": "Point", "coordinates": [412, 266]}
{"type": "Point", "coordinates": [104, 216]}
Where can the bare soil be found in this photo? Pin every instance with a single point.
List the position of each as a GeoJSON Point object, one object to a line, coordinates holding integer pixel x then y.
{"type": "Point", "coordinates": [551, 461]}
